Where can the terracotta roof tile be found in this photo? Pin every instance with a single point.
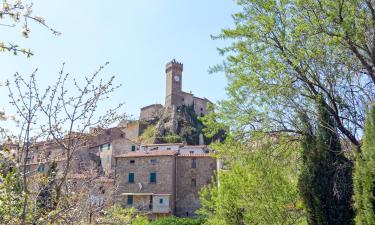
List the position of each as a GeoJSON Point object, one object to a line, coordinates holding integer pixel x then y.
{"type": "Point", "coordinates": [195, 155]}
{"type": "Point", "coordinates": [148, 153]}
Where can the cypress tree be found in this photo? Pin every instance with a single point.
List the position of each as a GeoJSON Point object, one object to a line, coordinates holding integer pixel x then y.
{"type": "Point", "coordinates": [364, 175]}
{"type": "Point", "coordinates": [326, 182]}
{"type": "Point", "coordinates": [46, 198]}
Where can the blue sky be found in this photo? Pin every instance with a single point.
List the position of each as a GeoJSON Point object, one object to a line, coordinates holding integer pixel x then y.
{"type": "Point", "coordinates": [137, 37]}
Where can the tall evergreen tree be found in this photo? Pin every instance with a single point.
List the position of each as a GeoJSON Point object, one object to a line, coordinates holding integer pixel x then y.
{"type": "Point", "coordinates": [326, 182]}
{"type": "Point", "coordinates": [364, 175]}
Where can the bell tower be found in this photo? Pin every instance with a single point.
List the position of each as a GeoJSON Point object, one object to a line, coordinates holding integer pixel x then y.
{"type": "Point", "coordinates": [173, 72]}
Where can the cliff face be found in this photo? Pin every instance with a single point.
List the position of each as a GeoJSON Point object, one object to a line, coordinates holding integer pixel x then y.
{"type": "Point", "coordinates": [179, 124]}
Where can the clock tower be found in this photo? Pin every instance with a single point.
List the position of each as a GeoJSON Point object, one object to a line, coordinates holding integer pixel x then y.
{"type": "Point", "coordinates": [174, 82]}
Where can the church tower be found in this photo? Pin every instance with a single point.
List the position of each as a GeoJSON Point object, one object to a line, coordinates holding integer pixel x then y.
{"type": "Point", "coordinates": [173, 72]}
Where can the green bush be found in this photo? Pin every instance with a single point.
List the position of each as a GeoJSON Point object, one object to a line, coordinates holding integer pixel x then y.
{"type": "Point", "coordinates": [177, 221]}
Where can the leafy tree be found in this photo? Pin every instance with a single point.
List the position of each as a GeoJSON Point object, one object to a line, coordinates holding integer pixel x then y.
{"type": "Point", "coordinates": [46, 199]}
{"type": "Point", "coordinates": [326, 182]}
{"type": "Point", "coordinates": [116, 215]}
{"type": "Point", "coordinates": [177, 221]}
{"type": "Point", "coordinates": [277, 66]}
{"type": "Point", "coordinates": [348, 24]}
{"type": "Point", "coordinates": [260, 186]}
{"type": "Point", "coordinates": [364, 175]}
{"type": "Point", "coordinates": [10, 188]}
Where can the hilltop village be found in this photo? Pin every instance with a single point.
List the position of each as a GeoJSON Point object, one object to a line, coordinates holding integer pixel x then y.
{"type": "Point", "coordinates": [160, 174]}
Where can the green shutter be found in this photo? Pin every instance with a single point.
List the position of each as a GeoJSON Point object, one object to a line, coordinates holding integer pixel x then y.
{"type": "Point", "coordinates": [130, 200]}
{"type": "Point", "coordinates": [133, 148]}
{"type": "Point", "coordinates": [131, 178]}
{"type": "Point", "coordinates": [153, 177]}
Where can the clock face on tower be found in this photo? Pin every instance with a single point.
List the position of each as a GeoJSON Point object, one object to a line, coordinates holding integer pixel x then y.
{"type": "Point", "coordinates": [177, 78]}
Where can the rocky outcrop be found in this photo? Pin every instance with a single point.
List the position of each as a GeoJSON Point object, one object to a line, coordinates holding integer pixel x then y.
{"type": "Point", "coordinates": [179, 124]}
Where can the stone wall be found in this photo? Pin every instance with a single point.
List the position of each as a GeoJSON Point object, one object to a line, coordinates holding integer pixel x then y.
{"type": "Point", "coordinates": [142, 167]}
{"type": "Point", "coordinates": [200, 106]}
{"type": "Point", "coordinates": [150, 112]}
{"type": "Point", "coordinates": [187, 197]}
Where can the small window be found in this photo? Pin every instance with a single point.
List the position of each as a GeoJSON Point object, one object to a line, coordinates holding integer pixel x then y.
{"type": "Point", "coordinates": [132, 161]}
{"type": "Point", "coordinates": [122, 135]}
{"type": "Point", "coordinates": [201, 109]}
{"type": "Point", "coordinates": [131, 178]}
{"type": "Point", "coordinates": [41, 168]}
{"type": "Point", "coordinates": [161, 201]}
{"type": "Point", "coordinates": [153, 161]}
{"type": "Point", "coordinates": [168, 148]}
{"type": "Point", "coordinates": [191, 152]}
{"type": "Point", "coordinates": [153, 177]}
{"type": "Point", "coordinates": [133, 148]}
{"type": "Point", "coordinates": [183, 99]}
{"type": "Point", "coordinates": [193, 182]}
{"type": "Point", "coordinates": [193, 163]}
{"type": "Point", "coordinates": [130, 200]}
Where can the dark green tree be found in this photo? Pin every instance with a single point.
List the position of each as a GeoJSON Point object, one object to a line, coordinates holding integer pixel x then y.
{"type": "Point", "coordinates": [325, 183]}
{"type": "Point", "coordinates": [364, 175]}
{"type": "Point", "coordinates": [46, 198]}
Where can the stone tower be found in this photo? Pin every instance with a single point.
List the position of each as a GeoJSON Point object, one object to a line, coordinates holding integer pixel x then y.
{"type": "Point", "coordinates": [173, 72]}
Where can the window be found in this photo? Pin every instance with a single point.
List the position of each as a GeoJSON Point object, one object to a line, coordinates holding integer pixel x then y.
{"type": "Point", "coordinates": [130, 200]}
{"type": "Point", "coordinates": [132, 161]}
{"type": "Point", "coordinates": [161, 201]}
{"type": "Point", "coordinates": [122, 135]}
{"type": "Point", "coordinates": [133, 148]}
{"type": "Point", "coordinates": [153, 177]}
{"type": "Point", "coordinates": [201, 109]}
{"type": "Point", "coordinates": [168, 148]}
{"type": "Point", "coordinates": [191, 152]}
{"type": "Point", "coordinates": [105, 147]}
{"type": "Point", "coordinates": [41, 168]}
{"type": "Point", "coordinates": [193, 182]}
{"type": "Point", "coordinates": [131, 178]}
{"type": "Point", "coordinates": [153, 161]}
{"type": "Point", "coordinates": [193, 163]}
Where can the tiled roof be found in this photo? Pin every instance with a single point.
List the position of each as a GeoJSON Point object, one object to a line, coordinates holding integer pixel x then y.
{"type": "Point", "coordinates": [164, 144]}
{"type": "Point", "coordinates": [148, 153]}
{"type": "Point", "coordinates": [195, 155]}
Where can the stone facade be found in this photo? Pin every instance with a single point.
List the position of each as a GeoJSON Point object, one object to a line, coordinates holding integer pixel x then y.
{"type": "Point", "coordinates": [181, 172]}
{"type": "Point", "coordinates": [140, 166]}
{"type": "Point", "coordinates": [194, 171]}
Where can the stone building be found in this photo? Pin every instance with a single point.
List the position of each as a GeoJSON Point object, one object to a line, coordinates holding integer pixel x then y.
{"type": "Point", "coordinates": [111, 166]}
{"type": "Point", "coordinates": [175, 96]}
{"type": "Point", "coordinates": [164, 179]}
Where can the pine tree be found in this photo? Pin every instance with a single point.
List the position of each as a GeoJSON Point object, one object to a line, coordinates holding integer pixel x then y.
{"type": "Point", "coordinates": [326, 182]}
{"type": "Point", "coordinates": [364, 175]}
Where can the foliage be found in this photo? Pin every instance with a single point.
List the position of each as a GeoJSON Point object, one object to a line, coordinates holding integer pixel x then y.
{"type": "Point", "coordinates": [259, 188]}
{"type": "Point", "coordinates": [177, 221]}
{"type": "Point", "coordinates": [171, 138]}
{"type": "Point", "coordinates": [10, 188]}
{"type": "Point", "coordinates": [46, 197]}
{"type": "Point", "coordinates": [279, 63]}
{"type": "Point", "coordinates": [364, 175]}
{"type": "Point", "coordinates": [117, 215]}
{"type": "Point", "coordinates": [147, 136]}
{"type": "Point", "coordinates": [325, 183]}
